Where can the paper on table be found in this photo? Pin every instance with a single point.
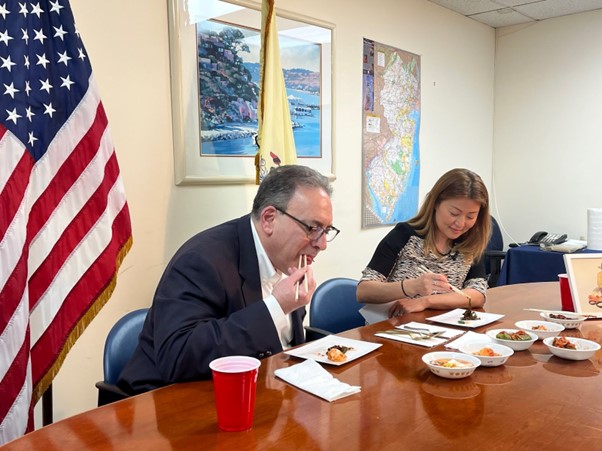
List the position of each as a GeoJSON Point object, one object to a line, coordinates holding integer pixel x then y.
{"type": "Point", "coordinates": [375, 313]}
{"type": "Point", "coordinates": [468, 337]}
{"type": "Point", "coordinates": [312, 378]}
{"type": "Point", "coordinates": [427, 342]}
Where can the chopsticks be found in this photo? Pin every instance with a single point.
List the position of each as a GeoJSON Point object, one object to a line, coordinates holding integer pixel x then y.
{"type": "Point", "coordinates": [425, 270]}
{"type": "Point", "coordinates": [302, 258]}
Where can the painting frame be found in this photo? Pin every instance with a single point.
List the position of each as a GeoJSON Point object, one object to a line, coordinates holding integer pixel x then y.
{"type": "Point", "coordinates": [584, 272]}
{"type": "Point", "coordinates": [190, 167]}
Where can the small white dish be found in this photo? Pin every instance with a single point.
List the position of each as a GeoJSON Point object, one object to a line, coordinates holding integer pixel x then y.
{"type": "Point", "coordinates": [516, 345]}
{"type": "Point", "coordinates": [504, 352]}
{"type": "Point", "coordinates": [432, 358]}
{"type": "Point", "coordinates": [584, 348]}
{"type": "Point", "coordinates": [543, 329]}
{"type": "Point", "coordinates": [570, 321]}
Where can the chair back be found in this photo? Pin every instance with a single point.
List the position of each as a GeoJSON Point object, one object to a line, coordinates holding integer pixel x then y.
{"type": "Point", "coordinates": [496, 243]}
{"type": "Point", "coordinates": [494, 254]}
{"type": "Point", "coordinates": [121, 342]}
{"type": "Point", "coordinates": [334, 306]}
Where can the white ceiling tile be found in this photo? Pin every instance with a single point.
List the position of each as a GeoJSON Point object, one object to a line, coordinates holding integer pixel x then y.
{"type": "Point", "coordinates": [468, 7]}
{"type": "Point", "coordinates": [501, 18]}
{"type": "Point", "coordinates": [557, 8]}
{"type": "Point", "coordinates": [501, 13]}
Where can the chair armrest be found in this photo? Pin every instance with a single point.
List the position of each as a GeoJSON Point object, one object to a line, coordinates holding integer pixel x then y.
{"type": "Point", "coordinates": [108, 393]}
{"type": "Point", "coordinates": [313, 333]}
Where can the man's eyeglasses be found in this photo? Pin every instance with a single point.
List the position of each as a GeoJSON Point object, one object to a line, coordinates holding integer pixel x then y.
{"type": "Point", "coordinates": [314, 233]}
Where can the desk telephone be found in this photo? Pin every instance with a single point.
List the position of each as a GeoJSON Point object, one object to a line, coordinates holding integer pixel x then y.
{"type": "Point", "coordinates": [547, 239]}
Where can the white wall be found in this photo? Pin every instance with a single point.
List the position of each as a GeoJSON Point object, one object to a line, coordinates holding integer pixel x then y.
{"type": "Point", "coordinates": [128, 46]}
{"type": "Point", "coordinates": [548, 130]}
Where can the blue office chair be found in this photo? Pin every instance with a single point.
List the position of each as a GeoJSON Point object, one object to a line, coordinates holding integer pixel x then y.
{"type": "Point", "coordinates": [494, 254]}
{"type": "Point", "coordinates": [334, 308]}
{"type": "Point", "coordinates": [119, 347]}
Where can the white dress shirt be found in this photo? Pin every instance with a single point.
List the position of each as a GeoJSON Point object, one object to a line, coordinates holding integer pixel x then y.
{"type": "Point", "coordinates": [269, 277]}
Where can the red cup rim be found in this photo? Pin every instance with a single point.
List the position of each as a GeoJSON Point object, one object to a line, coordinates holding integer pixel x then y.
{"type": "Point", "coordinates": [252, 363]}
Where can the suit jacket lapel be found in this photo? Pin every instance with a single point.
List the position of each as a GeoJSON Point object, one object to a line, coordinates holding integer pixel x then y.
{"type": "Point", "coordinates": [248, 267]}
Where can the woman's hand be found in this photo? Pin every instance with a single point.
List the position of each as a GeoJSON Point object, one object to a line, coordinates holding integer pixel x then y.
{"type": "Point", "coordinates": [407, 306]}
{"type": "Point", "coordinates": [428, 284]}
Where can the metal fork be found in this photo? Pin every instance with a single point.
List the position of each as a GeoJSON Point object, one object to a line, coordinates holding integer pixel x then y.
{"type": "Point", "coordinates": [414, 334]}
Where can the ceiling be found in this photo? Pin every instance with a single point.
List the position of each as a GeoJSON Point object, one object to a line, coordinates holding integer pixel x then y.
{"type": "Point", "coordinates": [502, 13]}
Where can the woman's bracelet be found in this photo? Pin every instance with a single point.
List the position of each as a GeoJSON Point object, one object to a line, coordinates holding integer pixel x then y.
{"type": "Point", "coordinates": [403, 289]}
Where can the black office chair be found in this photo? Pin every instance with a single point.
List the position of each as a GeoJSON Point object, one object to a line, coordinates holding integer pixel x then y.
{"type": "Point", "coordinates": [119, 347]}
{"type": "Point", "coordinates": [334, 308]}
{"type": "Point", "coordinates": [494, 255]}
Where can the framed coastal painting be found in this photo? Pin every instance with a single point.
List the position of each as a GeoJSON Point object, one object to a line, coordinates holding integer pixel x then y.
{"type": "Point", "coordinates": [214, 59]}
{"type": "Point", "coordinates": [585, 279]}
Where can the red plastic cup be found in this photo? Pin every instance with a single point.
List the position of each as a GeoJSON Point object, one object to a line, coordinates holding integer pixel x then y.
{"type": "Point", "coordinates": [566, 300]}
{"type": "Point", "coordinates": [234, 385]}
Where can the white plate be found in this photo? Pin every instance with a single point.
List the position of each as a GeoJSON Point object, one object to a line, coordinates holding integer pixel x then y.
{"type": "Point", "coordinates": [453, 318]}
{"type": "Point", "coordinates": [316, 350]}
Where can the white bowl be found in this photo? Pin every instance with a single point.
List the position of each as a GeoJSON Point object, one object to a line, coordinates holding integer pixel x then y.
{"type": "Point", "coordinates": [584, 348]}
{"type": "Point", "coordinates": [515, 345]}
{"type": "Point", "coordinates": [451, 373]}
{"type": "Point", "coordinates": [550, 329]}
{"type": "Point", "coordinates": [571, 321]}
{"type": "Point", "coordinates": [475, 346]}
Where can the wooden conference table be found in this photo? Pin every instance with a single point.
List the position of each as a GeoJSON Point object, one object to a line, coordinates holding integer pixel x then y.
{"type": "Point", "coordinates": [535, 401]}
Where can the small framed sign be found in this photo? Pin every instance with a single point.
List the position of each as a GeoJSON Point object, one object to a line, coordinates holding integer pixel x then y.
{"type": "Point", "coordinates": [585, 279]}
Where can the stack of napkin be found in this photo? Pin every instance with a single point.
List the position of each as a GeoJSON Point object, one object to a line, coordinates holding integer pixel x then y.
{"type": "Point", "coordinates": [312, 378]}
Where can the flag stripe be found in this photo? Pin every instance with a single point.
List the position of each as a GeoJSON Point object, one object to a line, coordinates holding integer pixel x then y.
{"type": "Point", "coordinates": [14, 172]}
{"type": "Point", "coordinates": [13, 381]}
{"type": "Point", "coordinates": [12, 339]}
{"type": "Point", "coordinates": [18, 418]}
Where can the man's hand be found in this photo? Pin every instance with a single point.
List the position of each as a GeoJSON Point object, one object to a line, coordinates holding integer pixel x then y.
{"type": "Point", "coordinates": [286, 290]}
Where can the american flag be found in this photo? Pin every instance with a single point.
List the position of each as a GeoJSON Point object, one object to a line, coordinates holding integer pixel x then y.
{"type": "Point", "coordinates": [64, 220]}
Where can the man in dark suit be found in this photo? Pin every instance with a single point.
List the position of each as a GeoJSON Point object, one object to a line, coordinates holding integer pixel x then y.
{"type": "Point", "coordinates": [239, 288]}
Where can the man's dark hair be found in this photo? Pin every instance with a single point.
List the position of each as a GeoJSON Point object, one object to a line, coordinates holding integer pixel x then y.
{"type": "Point", "coordinates": [280, 184]}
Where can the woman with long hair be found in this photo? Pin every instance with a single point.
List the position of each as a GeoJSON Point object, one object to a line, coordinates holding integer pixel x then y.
{"type": "Point", "coordinates": [417, 263]}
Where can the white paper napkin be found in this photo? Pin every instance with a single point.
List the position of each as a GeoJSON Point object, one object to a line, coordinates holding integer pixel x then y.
{"type": "Point", "coordinates": [468, 337]}
{"type": "Point", "coordinates": [312, 378]}
{"type": "Point", "coordinates": [375, 313]}
{"type": "Point", "coordinates": [427, 342]}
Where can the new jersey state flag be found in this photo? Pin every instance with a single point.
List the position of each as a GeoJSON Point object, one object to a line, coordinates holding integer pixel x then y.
{"type": "Point", "coordinates": [275, 129]}
{"type": "Point", "coordinates": [64, 220]}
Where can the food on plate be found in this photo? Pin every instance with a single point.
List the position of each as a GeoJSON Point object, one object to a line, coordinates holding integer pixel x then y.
{"type": "Point", "coordinates": [486, 352]}
{"type": "Point", "coordinates": [468, 314]}
{"type": "Point", "coordinates": [562, 342]}
{"type": "Point", "coordinates": [559, 316]}
{"type": "Point", "coordinates": [539, 327]}
{"type": "Point", "coordinates": [520, 335]}
{"type": "Point", "coordinates": [451, 363]}
{"type": "Point", "coordinates": [337, 353]}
